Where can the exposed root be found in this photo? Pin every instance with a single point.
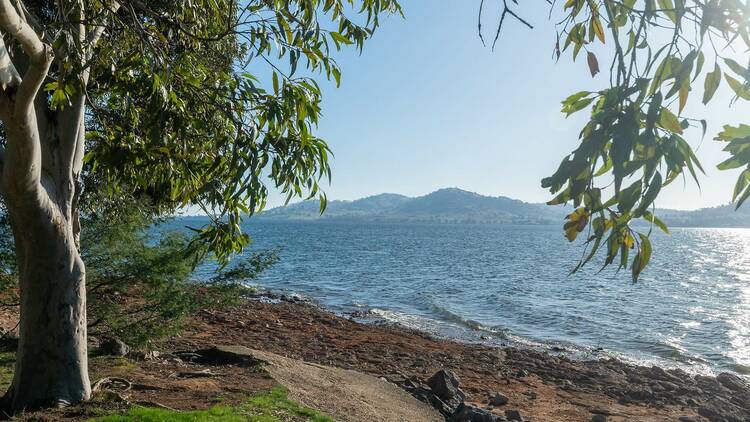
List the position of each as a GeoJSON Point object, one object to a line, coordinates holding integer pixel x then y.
{"type": "Point", "coordinates": [120, 384]}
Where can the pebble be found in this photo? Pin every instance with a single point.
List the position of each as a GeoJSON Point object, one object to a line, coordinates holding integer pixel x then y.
{"type": "Point", "coordinates": [498, 399]}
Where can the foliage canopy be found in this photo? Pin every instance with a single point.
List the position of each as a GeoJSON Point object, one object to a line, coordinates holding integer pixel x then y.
{"type": "Point", "coordinates": [200, 104]}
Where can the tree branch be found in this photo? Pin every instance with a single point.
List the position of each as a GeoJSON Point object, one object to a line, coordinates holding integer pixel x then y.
{"type": "Point", "coordinates": [31, 19]}
{"type": "Point", "coordinates": [39, 54]}
{"type": "Point", "coordinates": [9, 76]}
{"type": "Point", "coordinates": [93, 36]}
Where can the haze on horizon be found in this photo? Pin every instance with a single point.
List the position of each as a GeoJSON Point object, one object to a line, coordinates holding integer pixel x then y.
{"type": "Point", "coordinates": [425, 108]}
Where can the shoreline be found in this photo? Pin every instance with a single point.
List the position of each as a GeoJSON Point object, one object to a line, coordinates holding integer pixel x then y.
{"type": "Point", "coordinates": [473, 333]}
{"type": "Point", "coordinates": [541, 385]}
{"type": "Point", "coordinates": [499, 381]}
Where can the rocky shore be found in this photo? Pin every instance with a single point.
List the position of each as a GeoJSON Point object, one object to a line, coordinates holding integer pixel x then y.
{"type": "Point", "coordinates": [458, 382]}
{"type": "Point", "coordinates": [505, 382]}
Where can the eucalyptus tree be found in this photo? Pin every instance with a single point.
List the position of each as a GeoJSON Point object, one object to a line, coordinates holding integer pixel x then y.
{"type": "Point", "coordinates": [196, 103]}
{"type": "Point", "coordinates": [634, 143]}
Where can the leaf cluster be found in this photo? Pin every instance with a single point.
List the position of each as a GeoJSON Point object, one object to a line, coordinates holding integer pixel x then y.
{"type": "Point", "coordinates": [634, 143]}
{"type": "Point", "coordinates": [204, 104]}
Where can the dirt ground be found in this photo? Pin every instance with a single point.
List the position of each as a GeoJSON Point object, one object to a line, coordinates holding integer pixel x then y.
{"type": "Point", "coordinates": [305, 332]}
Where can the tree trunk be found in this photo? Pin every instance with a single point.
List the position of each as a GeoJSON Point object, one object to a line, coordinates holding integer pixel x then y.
{"type": "Point", "coordinates": [51, 362]}
{"type": "Point", "coordinates": [40, 168]}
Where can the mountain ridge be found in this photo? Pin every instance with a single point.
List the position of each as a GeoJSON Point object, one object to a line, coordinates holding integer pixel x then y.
{"type": "Point", "coordinates": [454, 205]}
{"type": "Point", "coordinates": [447, 205]}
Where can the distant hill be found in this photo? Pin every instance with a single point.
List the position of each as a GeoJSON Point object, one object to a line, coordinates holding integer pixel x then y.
{"type": "Point", "coordinates": [454, 205]}
{"type": "Point", "coordinates": [721, 216]}
{"type": "Point", "coordinates": [449, 205]}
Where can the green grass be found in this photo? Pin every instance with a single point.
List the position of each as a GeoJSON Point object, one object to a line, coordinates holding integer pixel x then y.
{"type": "Point", "coordinates": [7, 364]}
{"type": "Point", "coordinates": [273, 406]}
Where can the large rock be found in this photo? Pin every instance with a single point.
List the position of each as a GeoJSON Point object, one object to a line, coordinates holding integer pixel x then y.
{"type": "Point", "coordinates": [468, 413]}
{"type": "Point", "coordinates": [228, 355]}
{"type": "Point", "coordinates": [445, 385]}
{"type": "Point", "coordinates": [114, 347]}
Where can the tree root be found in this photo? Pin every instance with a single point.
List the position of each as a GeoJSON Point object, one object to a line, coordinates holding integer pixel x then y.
{"type": "Point", "coordinates": [111, 383]}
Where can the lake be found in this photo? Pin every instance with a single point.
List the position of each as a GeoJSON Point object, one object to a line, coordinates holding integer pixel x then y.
{"type": "Point", "coordinates": [510, 285]}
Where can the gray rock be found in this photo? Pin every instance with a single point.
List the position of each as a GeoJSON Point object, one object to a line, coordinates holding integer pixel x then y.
{"type": "Point", "coordinates": [444, 408]}
{"type": "Point", "coordinates": [445, 385]}
{"type": "Point", "coordinates": [468, 413]}
{"type": "Point", "coordinates": [114, 347]}
{"type": "Point", "coordinates": [687, 419]}
{"type": "Point", "coordinates": [731, 381]}
{"type": "Point", "coordinates": [720, 410]}
{"type": "Point", "coordinates": [513, 415]}
{"type": "Point", "coordinates": [598, 418]}
{"type": "Point", "coordinates": [498, 399]}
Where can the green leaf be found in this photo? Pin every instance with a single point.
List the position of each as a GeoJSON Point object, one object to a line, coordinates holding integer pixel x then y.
{"type": "Point", "coordinates": [738, 160]}
{"type": "Point", "coordinates": [667, 8]}
{"type": "Point", "coordinates": [736, 68]}
{"type": "Point", "coordinates": [629, 196]}
{"type": "Point", "coordinates": [577, 106]}
{"type": "Point", "coordinates": [596, 28]}
{"type": "Point", "coordinates": [713, 79]}
{"type": "Point", "coordinates": [340, 38]}
{"type": "Point", "coordinates": [738, 88]}
{"type": "Point", "coordinates": [275, 83]}
{"type": "Point", "coordinates": [733, 132]}
{"type": "Point", "coordinates": [742, 198]}
{"type": "Point", "coordinates": [742, 182]}
{"type": "Point", "coordinates": [643, 257]}
{"type": "Point", "coordinates": [651, 193]}
{"type": "Point", "coordinates": [669, 121]}
{"type": "Point", "coordinates": [651, 218]}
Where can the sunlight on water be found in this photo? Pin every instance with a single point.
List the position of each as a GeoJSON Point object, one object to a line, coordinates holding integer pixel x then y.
{"type": "Point", "coordinates": [738, 251]}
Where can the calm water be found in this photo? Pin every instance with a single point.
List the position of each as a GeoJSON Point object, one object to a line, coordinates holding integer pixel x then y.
{"type": "Point", "coordinates": [510, 284]}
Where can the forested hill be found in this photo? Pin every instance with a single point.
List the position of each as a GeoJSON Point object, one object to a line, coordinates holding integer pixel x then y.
{"type": "Point", "coordinates": [443, 206]}
{"type": "Point", "coordinates": [721, 216]}
{"type": "Point", "coordinates": [454, 205]}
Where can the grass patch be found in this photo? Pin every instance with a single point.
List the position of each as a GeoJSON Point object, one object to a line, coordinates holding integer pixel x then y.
{"type": "Point", "coordinates": [273, 406]}
{"type": "Point", "coordinates": [7, 365]}
{"type": "Point", "coordinates": [267, 406]}
{"type": "Point", "coordinates": [112, 366]}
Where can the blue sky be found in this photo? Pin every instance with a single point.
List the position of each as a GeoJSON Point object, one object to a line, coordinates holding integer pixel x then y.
{"type": "Point", "coordinates": [427, 106]}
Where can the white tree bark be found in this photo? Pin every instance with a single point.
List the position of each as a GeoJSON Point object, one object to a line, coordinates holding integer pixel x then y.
{"type": "Point", "coordinates": [39, 183]}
